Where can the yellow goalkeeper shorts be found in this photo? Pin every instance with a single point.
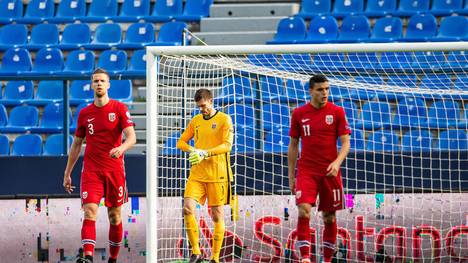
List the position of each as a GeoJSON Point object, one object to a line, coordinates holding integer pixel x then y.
{"type": "Point", "coordinates": [217, 193]}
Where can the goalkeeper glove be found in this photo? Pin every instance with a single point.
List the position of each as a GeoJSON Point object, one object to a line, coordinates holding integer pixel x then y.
{"type": "Point", "coordinates": [196, 156]}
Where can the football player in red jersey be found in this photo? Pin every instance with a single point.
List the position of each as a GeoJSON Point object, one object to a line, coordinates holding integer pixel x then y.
{"type": "Point", "coordinates": [318, 125]}
{"type": "Point", "coordinates": [103, 175]}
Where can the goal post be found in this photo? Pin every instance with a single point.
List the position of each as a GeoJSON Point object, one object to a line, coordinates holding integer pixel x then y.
{"type": "Point", "coordinates": [405, 179]}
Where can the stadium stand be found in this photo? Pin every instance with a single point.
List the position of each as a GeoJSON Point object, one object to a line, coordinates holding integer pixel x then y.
{"type": "Point", "coordinates": [38, 11]}
{"type": "Point", "coordinates": [21, 119]}
{"type": "Point", "coordinates": [27, 145]}
{"type": "Point", "coordinates": [10, 10]}
{"type": "Point", "coordinates": [4, 145]}
{"type": "Point", "coordinates": [17, 93]}
{"type": "Point", "coordinates": [54, 145]}
{"type": "Point", "coordinates": [43, 35]}
{"type": "Point", "coordinates": [52, 119]}
{"type": "Point", "coordinates": [69, 11]}
{"type": "Point", "coordinates": [75, 36]}
{"type": "Point", "coordinates": [12, 36]}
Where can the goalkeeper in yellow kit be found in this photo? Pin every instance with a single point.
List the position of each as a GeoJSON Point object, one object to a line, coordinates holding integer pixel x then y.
{"type": "Point", "coordinates": [210, 173]}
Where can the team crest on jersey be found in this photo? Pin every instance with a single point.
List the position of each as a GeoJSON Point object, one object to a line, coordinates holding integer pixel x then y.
{"type": "Point", "coordinates": [329, 119]}
{"type": "Point", "coordinates": [298, 194]}
{"type": "Point", "coordinates": [213, 126]}
{"type": "Point", "coordinates": [112, 116]}
{"type": "Point", "coordinates": [85, 195]}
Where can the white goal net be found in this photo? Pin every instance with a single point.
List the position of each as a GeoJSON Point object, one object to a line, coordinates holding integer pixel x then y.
{"type": "Point", "coordinates": [405, 179]}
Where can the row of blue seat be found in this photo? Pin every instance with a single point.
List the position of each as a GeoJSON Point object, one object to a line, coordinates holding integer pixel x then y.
{"type": "Point", "coordinates": [80, 91]}
{"type": "Point", "coordinates": [356, 28]}
{"type": "Point", "coordinates": [68, 11]}
{"type": "Point", "coordinates": [50, 61]}
{"type": "Point", "coordinates": [417, 140]}
{"type": "Point", "coordinates": [31, 145]}
{"type": "Point", "coordinates": [77, 36]}
{"type": "Point", "coordinates": [376, 8]}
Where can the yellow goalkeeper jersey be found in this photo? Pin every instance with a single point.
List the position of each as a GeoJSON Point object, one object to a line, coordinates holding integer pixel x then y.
{"type": "Point", "coordinates": [215, 135]}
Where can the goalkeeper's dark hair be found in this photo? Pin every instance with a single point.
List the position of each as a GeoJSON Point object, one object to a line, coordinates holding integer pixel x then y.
{"type": "Point", "coordinates": [203, 94]}
{"type": "Point", "coordinates": [319, 78]}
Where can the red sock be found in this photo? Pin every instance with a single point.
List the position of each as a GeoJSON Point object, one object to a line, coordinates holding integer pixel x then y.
{"type": "Point", "coordinates": [115, 240]}
{"type": "Point", "coordinates": [329, 240]}
{"type": "Point", "coordinates": [88, 236]}
{"type": "Point", "coordinates": [303, 237]}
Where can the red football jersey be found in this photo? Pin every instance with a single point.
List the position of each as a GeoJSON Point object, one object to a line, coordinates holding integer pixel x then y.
{"type": "Point", "coordinates": [103, 128]}
{"type": "Point", "coordinates": [319, 130]}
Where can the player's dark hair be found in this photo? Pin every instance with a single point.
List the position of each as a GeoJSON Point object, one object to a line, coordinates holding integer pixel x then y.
{"type": "Point", "coordinates": [100, 71]}
{"type": "Point", "coordinates": [319, 78]}
{"type": "Point", "coordinates": [203, 94]}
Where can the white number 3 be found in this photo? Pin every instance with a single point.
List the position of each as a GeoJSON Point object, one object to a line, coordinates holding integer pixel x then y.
{"type": "Point", "coordinates": [91, 128]}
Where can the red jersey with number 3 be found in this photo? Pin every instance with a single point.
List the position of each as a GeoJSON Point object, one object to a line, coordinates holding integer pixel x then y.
{"type": "Point", "coordinates": [102, 127]}
{"type": "Point", "coordinates": [318, 130]}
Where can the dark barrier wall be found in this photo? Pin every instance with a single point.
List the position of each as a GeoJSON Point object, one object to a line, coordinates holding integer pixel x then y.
{"type": "Point", "coordinates": [383, 172]}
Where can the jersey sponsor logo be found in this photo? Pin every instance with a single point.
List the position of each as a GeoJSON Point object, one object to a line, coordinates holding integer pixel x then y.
{"type": "Point", "coordinates": [112, 116]}
{"type": "Point", "coordinates": [84, 195]}
{"type": "Point", "coordinates": [305, 120]}
{"type": "Point", "coordinates": [329, 119]}
{"type": "Point", "coordinates": [213, 126]}
{"type": "Point", "coordinates": [298, 194]}
{"type": "Point", "coordinates": [90, 120]}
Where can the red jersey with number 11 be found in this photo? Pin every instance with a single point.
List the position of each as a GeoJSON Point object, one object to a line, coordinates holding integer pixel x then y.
{"type": "Point", "coordinates": [102, 127]}
{"type": "Point", "coordinates": [318, 130]}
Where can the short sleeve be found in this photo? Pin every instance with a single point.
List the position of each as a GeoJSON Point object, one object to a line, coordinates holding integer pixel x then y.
{"type": "Point", "coordinates": [80, 131]}
{"type": "Point", "coordinates": [125, 117]}
{"type": "Point", "coordinates": [295, 130]}
{"type": "Point", "coordinates": [343, 126]}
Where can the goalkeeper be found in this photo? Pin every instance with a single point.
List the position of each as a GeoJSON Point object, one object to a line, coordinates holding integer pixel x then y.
{"type": "Point", "coordinates": [210, 173]}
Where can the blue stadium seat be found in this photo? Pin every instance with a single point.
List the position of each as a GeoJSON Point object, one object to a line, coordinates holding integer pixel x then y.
{"type": "Point", "coordinates": [3, 116]}
{"type": "Point", "coordinates": [244, 141]}
{"type": "Point", "coordinates": [242, 115]}
{"type": "Point", "coordinates": [339, 90]}
{"type": "Point", "coordinates": [296, 92]}
{"type": "Point", "coordinates": [170, 34]}
{"type": "Point", "coordinates": [75, 36]}
{"type": "Point", "coordinates": [456, 60]}
{"type": "Point", "coordinates": [15, 61]}
{"type": "Point", "coordinates": [446, 7]}
{"type": "Point", "coordinates": [312, 8]}
{"type": "Point", "coordinates": [429, 60]}
{"type": "Point", "coordinates": [38, 11]}
{"type": "Point", "coordinates": [275, 116]}
{"type": "Point", "coordinates": [27, 145]}
{"type": "Point", "coordinates": [48, 91]}
{"type": "Point", "coordinates": [271, 88]}
{"type": "Point", "coordinates": [170, 145]}
{"type": "Point", "coordinates": [81, 92]}
{"type": "Point", "coordinates": [417, 141]}
{"type": "Point", "coordinates": [356, 140]}
{"type": "Point", "coordinates": [49, 61]}
{"type": "Point", "coordinates": [296, 62]}
{"type": "Point", "coordinates": [387, 29]}
{"type": "Point", "coordinates": [43, 35]}
{"type": "Point", "coordinates": [342, 8]}
{"type": "Point", "coordinates": [374, 115]}
{"type": "Point", "coordinates": [17, 93]}
{"type": "Point", "coordinates": [106, 36]}
{"type": "Point", "coordinates": [137, 64]}
{"type": "Point", "coordinates": [264, 60]}
{"type": "Point", "coordinates": [133, 11]}
{"type": "Point", "coordinates": [194, 10]}
{"type": "Point", "coordinates": [462, 123]}
{"type": "Point", "coordinates": [10, 10]}
{"type": "Point", "coordinates": [52, 119]}
{"type": "Point", "coordinates": [322, 29]}
{"type": "Point", "coordinates": [383, 140]}
{"type": "Point", "coordinates": [4, 145]}
{"type": "Point", "coordinates": [362, 61]}
{"type": "Point", "coordinates": [290, 30]}
{"type": "Point", "coordinates": [75, 116]}
{"type": "Point", "coordinates": [79, 62]}
{"type": "Point", "coordinates": [454, 140]}
{"type": "Point", "coordinates": [350, 109]}
{"type": "Point", "coordinates": [12, 36]}
{"type": "Point", "coordinates": [453, 28]}
{"type": "Point", "coordinates": [410, 112]}
{"type": "Point", "coordinates": [276, 141]}
{"type": "Point", "coordinates": [443, 114]}
{"type": "Point", "coordinates": [464, 10]}
{"type": "Point", "coordinates": [329, 61]}
{"type": "Point", "coordinates": [21, 119]}
{"type": "Point", "coordinates": [235, 89]}
{"type": "Point", "coordinates": [165, 11]}
{"type": "Point", "coordinates": [54, 145]}
{"type": "Point", "coordinates": [69, 11]}
{"type": "Point", "coordinates": [363, 94]}
{"type": "Point", "coordinates": [461, 82]}
{"type": "Point", "coordinates": [397, 61]}
{"type": "Point", "coordinates": [101, 11]}
{"type": "Point", "coordinates": [114, 61]}
{"type": "Point", "coordinates": [138, 35]}
{"type": "Point", "coordinates": [376, 8]}
{"type": "Point", "coordinates": [436, 81]}
{"type": "Point", "coordinates": [354, 29]}
{"type": "Point", "coordinates": [411, 7]}
{"type": "Point", "coordinates": [401, 81]}
{"type": "Point", "coordinates": [121, 90]}
{"type": "Point", "coordinates": [421, 27]}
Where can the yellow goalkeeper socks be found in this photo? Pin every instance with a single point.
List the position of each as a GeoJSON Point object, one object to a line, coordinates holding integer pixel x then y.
{"type": "Point", "coordinates": [191, 227]}
{"type": "Point", "coordinates": [218, 236]}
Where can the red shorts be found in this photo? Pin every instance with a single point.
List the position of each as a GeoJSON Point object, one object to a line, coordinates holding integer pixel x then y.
{"type": "Point", "coordinates": [328, 188]}
{"type": "Point", "coordinates": [109, 184]}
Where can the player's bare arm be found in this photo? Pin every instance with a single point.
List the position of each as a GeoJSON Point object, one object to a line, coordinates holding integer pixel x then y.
{"type": "Point", "coordinates": [130, 140]}
{"type": "Point", "coordinates": [73, 156]}
{"type": "Point", "coordinates": [334, 167]}
{"type": "Point", "coordinates": [293, 151]}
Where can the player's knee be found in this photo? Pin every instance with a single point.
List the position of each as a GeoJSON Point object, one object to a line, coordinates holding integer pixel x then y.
{"type": "Point", "coordinates": [115, 218]}
{"type": "Point", "coordinates": [216, 216]}
{"type": "Point", "coordinates": [329, 218]}
{"type": "Point", "coordinates": [303, 212]}
{"type": "Point", "coordinates": [90, 213]}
